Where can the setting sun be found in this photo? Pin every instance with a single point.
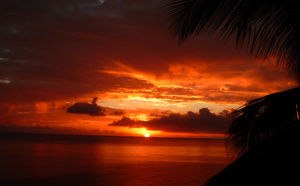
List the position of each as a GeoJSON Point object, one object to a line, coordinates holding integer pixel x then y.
{"type": "Point", "coordinates": [147, 135]}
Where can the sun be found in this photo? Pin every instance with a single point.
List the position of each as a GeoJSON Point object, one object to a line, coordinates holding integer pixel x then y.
{"type": "Point", "coordinates": [147, 135]}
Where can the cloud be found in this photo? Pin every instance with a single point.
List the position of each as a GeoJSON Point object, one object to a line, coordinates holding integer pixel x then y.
{"type": "Point", "coordinates": [87, 108]}
{"type": "Point", "coordinates": [204, 122]}
{"type": "Point", "coordinates": [118, 113]}
{"type": "Point", "coordinates": [110, 45]}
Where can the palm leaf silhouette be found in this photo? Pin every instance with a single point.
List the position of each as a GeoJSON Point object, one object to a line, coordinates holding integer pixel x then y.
{"type": "Point", "coordinates": [263, 130]}
{"type": "Point", "coordinates": [265, 137]}
{"type": "Point", "coordinates": [264, 118]}
{"type": "Point", "coordinates": [275, 161]}
{"type": "Point", "coordinates": [269, 29]}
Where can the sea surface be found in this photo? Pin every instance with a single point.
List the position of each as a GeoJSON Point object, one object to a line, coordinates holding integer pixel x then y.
{"type": "Point", "coordinates": [40, 159]}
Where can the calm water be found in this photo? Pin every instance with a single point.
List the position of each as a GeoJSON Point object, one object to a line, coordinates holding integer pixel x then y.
{"type": "Point", "coordinates": [92, 160]}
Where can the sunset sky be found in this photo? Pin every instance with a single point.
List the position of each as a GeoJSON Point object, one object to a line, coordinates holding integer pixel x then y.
{"type": "Point", "coordinates": [58, 57]}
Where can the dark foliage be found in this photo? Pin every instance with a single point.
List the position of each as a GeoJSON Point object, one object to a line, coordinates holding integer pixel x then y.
{"type": "Point", "coordinates": [269, 29]}
{"type": "Point", "coordinates": [264, 132]}
{"type": "Point", "coordinates": [274, 162]}
{"type": "Point", "coordinates": [264, 118]}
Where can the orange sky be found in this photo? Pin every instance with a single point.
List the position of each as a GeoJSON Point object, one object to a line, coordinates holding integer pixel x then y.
{"type": "Point", "coordinates": [53, 55]}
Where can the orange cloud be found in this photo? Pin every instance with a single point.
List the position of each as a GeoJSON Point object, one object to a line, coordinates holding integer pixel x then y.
{"type": "Point", "coordinates": [107, 51]}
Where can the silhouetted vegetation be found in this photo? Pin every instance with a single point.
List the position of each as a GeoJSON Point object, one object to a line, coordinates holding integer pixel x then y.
{"type": "Point", "coordinates": [264, 131]}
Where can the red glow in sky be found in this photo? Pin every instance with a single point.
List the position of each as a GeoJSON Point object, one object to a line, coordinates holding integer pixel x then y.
{"type": "Point", "coordinates": [56, 55]}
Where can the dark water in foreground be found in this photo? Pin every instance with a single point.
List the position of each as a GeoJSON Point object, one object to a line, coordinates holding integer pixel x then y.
{"type": "Point", "coordinates": [34, 159]}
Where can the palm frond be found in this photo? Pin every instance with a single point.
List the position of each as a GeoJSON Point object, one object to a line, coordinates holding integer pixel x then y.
{"type": "Point", "coordinates": [268, 28]}
{"type": "Point", "coordinates": [262, 119]}
{"type": "Point", "coordinates": [275, 162]}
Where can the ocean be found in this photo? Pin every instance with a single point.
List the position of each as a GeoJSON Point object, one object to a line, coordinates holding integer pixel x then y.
{"type": "Point", "coordinates": [45, 159]}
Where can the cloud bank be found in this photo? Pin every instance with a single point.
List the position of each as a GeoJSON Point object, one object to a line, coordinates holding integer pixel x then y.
{"type": "Point", "coordinates": [204, 122]}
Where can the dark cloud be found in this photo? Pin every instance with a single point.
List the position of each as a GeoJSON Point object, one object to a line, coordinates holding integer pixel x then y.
{"type": "Point", "coordinates": [87, 108]}
{"type": "Point", "coordinates": [118, 113]}
{"type": "Point", "coordinates": [204, 122]}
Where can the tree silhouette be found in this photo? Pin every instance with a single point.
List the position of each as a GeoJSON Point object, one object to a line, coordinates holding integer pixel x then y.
{"type": "Point", "coordinates": [263, 130]}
